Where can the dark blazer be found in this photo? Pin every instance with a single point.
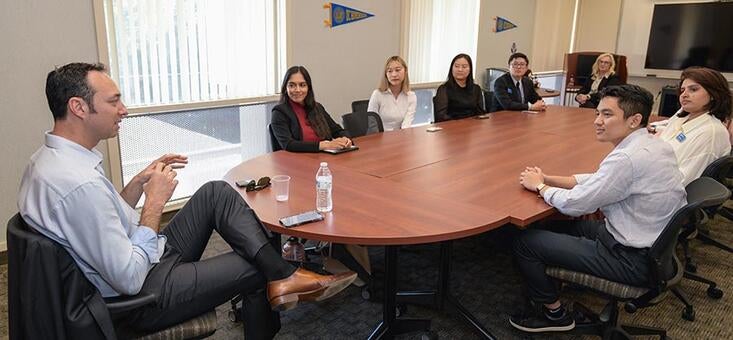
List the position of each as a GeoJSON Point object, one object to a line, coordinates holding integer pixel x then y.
{"type": "Point", "coordinates": [507, 94]}
{"type": "Point", "coordinates": [595, 98]}
{"type": "Point", "coordinates": [286, 128]}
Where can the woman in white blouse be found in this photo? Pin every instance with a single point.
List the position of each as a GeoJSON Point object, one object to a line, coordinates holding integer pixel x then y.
{"type": "Point", "coordinates": [697, 132]}
{"type": "Point", "coordinates": [393, 100]}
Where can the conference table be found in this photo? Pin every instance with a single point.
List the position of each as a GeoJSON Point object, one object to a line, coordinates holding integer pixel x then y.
{"type": "Point", "coordinates": [413, 186]}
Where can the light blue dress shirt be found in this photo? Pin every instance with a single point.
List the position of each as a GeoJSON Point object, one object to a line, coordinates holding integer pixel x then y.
{"type": "Point", "coordinates": [65, 196]}
{"type": "Point", "coordinates": [638, 187]}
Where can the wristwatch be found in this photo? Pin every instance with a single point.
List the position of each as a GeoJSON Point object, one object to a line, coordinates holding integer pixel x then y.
{"type": "Point", "coordinates": [540, 187]}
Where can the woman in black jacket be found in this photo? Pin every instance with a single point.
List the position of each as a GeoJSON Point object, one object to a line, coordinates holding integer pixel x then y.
{"type": "Point", "coordinates": [604, 74]}
{"type": "Point", "coordinates": [299, 123]}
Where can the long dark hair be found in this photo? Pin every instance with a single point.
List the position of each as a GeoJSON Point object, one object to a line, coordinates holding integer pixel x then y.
{"type": "Point", "coordinates": [315, 117]}
{"type": "Point", "coordinates": [717, 87]}
{"type": "Point", "coordinates": [451, 82]}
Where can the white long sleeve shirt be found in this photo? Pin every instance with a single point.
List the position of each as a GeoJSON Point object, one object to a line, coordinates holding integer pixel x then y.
{"type": "Point", "coordinates": [638, 187]}
{"type": "Point", "coordinates": [65, 196]}
{"type": "Point", "coordinates": [396, 113]}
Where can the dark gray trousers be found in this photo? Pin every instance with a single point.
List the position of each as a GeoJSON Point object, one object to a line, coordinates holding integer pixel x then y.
{"type": "Point", "coordinates": [583, 246]}
{"type": "Point", "coordinates": [187, 286]}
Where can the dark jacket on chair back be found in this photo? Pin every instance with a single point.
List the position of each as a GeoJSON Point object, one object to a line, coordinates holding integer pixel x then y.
{"type": "Point", "coordinates": [48, 296]}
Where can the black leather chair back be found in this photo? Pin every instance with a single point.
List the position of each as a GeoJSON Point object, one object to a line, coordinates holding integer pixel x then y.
{"type": "Point", "coordinates": [359, 106]}
{"type": "Point", "coordinates": [273, 141]}
{"type": "Point", "coordinates": [362, 123]}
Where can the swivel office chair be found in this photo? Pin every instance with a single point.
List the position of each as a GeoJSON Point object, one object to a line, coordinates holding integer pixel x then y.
{"type": "Point", "coordinates": [665, 272]}
{"type": "Point", "coordinates": [25, 248]}
{"type": "Point", "coordinates": [362, 123]}
{"type": "Point", "coordinates": [718, 170]}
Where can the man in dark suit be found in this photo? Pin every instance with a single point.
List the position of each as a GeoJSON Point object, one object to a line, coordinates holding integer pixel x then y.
{"type": "Point", "coordinates": [514, 91]}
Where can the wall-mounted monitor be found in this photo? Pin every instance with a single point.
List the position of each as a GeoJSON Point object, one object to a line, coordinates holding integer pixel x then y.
{"type": "Point", "coordinates": [691, 34]}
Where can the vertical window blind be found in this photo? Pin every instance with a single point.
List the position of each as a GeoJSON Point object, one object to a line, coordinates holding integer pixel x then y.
{"type": "Point", "coordinates": [437, 31]}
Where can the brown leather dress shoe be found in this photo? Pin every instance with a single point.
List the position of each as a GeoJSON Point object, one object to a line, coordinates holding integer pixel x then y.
{"type": "Point", "coordinates": [305, 285]}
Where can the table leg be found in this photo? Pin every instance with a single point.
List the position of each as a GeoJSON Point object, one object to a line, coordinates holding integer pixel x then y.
{"type": "Point", "coordinates": [391, 325]}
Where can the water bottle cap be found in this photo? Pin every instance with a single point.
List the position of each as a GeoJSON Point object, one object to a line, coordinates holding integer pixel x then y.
{"type": "Point", "coordinates": [324, 164]}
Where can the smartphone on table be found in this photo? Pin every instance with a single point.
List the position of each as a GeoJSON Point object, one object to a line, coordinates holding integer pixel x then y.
{"type": "Point", "coordinates": [303, 218]}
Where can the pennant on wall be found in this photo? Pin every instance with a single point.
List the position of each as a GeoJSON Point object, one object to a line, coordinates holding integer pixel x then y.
{"type": "Point", "coordinates": [341, 15]}
{"type": "Point", "coordinates": [502, 25]}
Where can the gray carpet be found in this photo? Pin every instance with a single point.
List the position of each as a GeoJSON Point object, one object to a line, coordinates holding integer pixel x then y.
{"type": "Point", "coordinates": [486, 282]}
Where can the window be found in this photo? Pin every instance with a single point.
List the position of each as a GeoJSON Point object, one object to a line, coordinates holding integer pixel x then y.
{"type": "Point", "coordinates": [170, 52]}
{"type": "Point", "coordinates": [215, 140]}
{"type": "Point", "coordinates": [437, 30]}
{"type": "Point", "coordinates": [199, 78]}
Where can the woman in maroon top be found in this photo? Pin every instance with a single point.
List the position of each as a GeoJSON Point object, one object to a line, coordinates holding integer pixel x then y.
{"type": "Point", "coordinates": [299, 123]}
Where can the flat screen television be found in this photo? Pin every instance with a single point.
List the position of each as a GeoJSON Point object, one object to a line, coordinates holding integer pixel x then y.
{"type": "Point", "coordinates": [692, 34]}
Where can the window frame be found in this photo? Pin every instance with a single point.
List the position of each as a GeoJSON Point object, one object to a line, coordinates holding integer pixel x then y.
{"type": "Point", "coordinates": [105, 42]}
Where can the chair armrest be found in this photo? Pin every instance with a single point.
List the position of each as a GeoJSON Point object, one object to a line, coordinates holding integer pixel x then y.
{"type": "Point", "coordinates": [123, 303]}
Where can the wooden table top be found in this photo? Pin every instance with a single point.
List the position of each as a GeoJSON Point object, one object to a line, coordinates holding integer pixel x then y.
{"type": "Point", "coordinates": [412, 186]}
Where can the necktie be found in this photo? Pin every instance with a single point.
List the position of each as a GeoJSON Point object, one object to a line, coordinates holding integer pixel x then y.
{"type": "Point", "coordinates": [521, 92]}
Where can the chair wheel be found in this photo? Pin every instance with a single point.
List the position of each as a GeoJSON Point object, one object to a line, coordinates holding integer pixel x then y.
{"type": "Point", "coordinates": [691, 267]}
{"type": "Point", "coordinates": [400, 310]}
{"type": "Point", "coordinates": [688, 314]}
{"type": "Point", "coordinates": [715, 293]}
{"type": "Point", "coordinates": [366, 293]}
{"type": "Point", "coordinates": [234, 316]}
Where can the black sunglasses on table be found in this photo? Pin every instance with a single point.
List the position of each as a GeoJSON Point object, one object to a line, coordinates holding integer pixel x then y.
{"type": "Point", "coordinates": [251, 185]}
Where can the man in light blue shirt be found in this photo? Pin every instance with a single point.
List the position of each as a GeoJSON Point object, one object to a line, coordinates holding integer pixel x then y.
{"type": "Point", "coordinates": [637, 187]}
{"type": "Point", "coordinates": [65, 196]}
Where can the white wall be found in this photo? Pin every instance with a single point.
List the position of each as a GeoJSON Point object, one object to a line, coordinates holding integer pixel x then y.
{"type": "Point", "coordinates": [35, 35]}
{"type": "Point", "coordinates": [345, 62]}
{"type": "Point", "coordinates": [597, 26]}
{"type": "Point", "coordinates": [494, 48]}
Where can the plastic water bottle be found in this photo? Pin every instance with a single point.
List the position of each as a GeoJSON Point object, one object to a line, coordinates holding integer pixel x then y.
{"type": "Point", "coordinates": [324, 182]}
{"type": "Point", "coordinates": [293, 250]}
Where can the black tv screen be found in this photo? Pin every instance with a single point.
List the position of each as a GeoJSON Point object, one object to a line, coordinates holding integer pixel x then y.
{"type": "Point", "coordinates": [696, 34]}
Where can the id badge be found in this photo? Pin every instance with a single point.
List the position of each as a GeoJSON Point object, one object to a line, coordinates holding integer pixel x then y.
{"type": "Point", "coordinates": [681, 137]}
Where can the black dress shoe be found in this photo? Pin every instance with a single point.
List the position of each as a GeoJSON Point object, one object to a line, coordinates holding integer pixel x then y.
{"type": "Point", "coordinates": [536, 321]}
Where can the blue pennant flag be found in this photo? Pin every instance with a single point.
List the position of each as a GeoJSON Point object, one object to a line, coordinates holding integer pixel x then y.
{"type": "Point", "coordinates": [503, 25]}
{"type": "Point", "coordinates": [341, 15]}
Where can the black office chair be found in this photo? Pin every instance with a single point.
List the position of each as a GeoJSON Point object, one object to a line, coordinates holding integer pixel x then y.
{"type": "Point", "coordinates": [436, 119]}
{"type": "Point", "coordinates": [25, 248]}
{"type": "Point", "coordinates": [665, 270]}
{"type": "Point", "coordinates": [360, 106]}
{"type": "Point", "coordinates": [719, 170]}
{"type": "Point", "coordinates": [489, 105]}
{"type": "Point", "coordinates": [362, 123]}
{"type": "Point", "coordinates": [273, 141]}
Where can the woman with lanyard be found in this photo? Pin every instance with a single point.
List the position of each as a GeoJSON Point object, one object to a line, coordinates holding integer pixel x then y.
{"type": "Point", "coordinates": [697, 132]}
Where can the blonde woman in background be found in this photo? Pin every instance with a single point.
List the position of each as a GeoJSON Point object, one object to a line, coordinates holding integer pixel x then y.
{"type": "Point", "coordinates": [393, 100]}
{"type": "Point", "coordinates": [603, 74]}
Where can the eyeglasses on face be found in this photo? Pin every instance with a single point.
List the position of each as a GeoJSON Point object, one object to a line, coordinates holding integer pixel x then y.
{"type": "Point", "coordinates": [261, 183]}
{"type": "Point", "coordinates": [518, 65]}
